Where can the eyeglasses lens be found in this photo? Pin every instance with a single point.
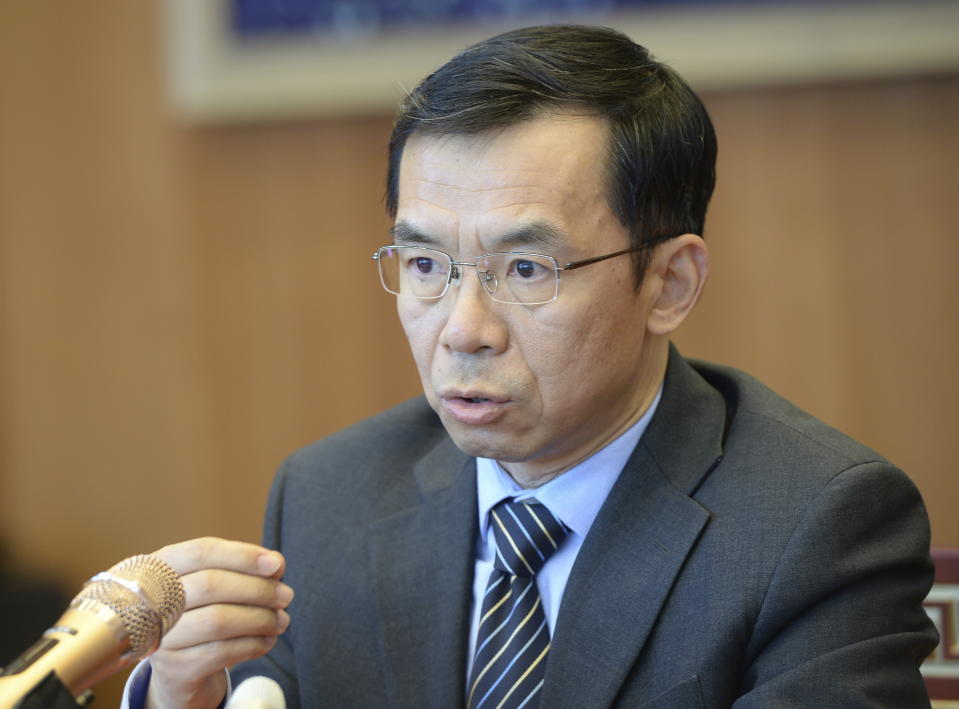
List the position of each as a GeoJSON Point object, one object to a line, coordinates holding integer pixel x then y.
{"type": "Point", "coordinates": [524, 279]}
{"type": "Point", "coordinates": [421, 273]}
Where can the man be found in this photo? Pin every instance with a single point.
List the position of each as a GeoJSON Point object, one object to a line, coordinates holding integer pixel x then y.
{"type": "Point", "coordinates": [575, 516]}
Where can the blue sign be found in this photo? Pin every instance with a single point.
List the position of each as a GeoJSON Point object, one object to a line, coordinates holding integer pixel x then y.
{"type": "Point", "coordinates": [359, 18]}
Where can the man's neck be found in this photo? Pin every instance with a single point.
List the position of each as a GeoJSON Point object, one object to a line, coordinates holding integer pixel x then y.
{"type": "Point", "coordinates": [533, 474]}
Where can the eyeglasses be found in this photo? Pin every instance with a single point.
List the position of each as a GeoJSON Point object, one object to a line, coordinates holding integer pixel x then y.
{"type": "Point", "coordinates": [514, 277]}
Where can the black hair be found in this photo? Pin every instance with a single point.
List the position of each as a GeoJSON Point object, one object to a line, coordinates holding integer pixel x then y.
{"type": "Point", "coordinates": [662, 146]}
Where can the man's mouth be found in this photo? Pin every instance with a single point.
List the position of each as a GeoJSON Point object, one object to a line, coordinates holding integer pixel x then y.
{"type": "Point", "coordinates": [475, 395]}
{"type": "Point", "coordinates": [474, 408]}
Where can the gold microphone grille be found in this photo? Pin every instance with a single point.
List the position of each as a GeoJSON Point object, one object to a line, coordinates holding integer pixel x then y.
{"type": "Point", "coordinates": [158, 581]}
{"type": "Point", "coordinates": [147, 595]}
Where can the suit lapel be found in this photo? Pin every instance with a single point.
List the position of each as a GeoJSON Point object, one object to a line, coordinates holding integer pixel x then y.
{"type": "Point", "coordinates": [422, 563]}
{"type": "Point", "coordinates": [636, 547]}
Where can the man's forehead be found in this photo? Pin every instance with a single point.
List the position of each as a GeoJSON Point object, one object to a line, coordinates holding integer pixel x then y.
{"type": "Point", "coordinates": [532, 147]}
{"type": "Point", "coordinates": [445, 166]}
{"type": "Point", "coordinates": [531, 166]}
{"type": "Point", "coordinates": [533, 235]}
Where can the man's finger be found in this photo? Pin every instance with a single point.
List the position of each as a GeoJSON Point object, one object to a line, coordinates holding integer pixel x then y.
{"type": "Point", "coordinates": [224, 622]}
{"type": "Point", "coordinates": [210, 658]}
{"type": "Point", "coordinates": [214, 553]}
{"type": "Point", "coordinates": [209, 586]}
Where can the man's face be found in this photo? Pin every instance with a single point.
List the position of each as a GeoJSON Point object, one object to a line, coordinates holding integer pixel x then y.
{"type": "Point", "coordinates": [538, 387]}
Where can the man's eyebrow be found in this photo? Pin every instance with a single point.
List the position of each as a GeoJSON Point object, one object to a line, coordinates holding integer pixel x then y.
{"type": "Point", "coordinates": [535, 235]}
{"type": "Point", "coordinates": [405, 233]}
{"type": "Point", "coordinates": [539, 235]}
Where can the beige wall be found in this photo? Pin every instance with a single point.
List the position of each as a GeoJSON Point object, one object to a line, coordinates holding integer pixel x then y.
{"type": "Point", "coordinates": [180, 308]}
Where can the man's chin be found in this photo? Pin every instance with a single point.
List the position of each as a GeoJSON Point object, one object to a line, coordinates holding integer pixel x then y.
{"type": "Point", "coordinates": [480, 443]}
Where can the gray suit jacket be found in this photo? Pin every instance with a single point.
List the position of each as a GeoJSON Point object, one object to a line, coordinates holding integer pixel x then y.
{"type": "Point", "coordinates": [748, 556]}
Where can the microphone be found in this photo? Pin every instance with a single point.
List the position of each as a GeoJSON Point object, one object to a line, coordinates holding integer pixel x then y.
{"type": "Point", "coordinates": [118, 618]}
{"type": "Point", "coordinates": [257, 693]}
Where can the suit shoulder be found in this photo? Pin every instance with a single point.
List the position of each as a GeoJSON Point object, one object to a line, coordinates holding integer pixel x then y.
{"type": "Point", "coordinates": [411, 419]}
{"type": "Point", "coordinates": [373, 452]}
{"type": "Point", "coordinates": [792, 467]}
{"type": "Point", "coordinates": [783, 429]}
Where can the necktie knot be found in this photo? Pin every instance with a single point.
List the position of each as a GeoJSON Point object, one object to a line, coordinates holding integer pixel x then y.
{"type": "Point", "coordinates": [526, 535]}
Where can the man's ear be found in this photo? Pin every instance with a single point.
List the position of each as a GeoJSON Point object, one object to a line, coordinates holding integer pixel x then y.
{"type": "Point", "coordinates": [677, 273]}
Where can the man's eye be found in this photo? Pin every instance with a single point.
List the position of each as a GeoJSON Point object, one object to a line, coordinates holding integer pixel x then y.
{"type": "Point", "coordinates": [425, 265]}
{"type": "Point", "coordinates": [525, 269]}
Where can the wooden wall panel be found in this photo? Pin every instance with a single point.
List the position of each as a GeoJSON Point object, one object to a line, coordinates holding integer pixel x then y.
{"type": "Point", "coordinates": [299, 338]}
{"type": "Point", "coordinates": [101, 393]}
{"type": "Point", "coordinates": [180, 308]}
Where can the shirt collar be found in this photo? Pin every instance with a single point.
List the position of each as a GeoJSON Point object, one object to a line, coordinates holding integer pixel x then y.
{"type": "Point", "coordinates": [574, 497]}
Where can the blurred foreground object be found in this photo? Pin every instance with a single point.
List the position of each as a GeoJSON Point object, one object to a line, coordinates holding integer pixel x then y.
{"type": "Point", "coordinates": [257, 693]}
{"type": "Point", "coordinates": [118, 618]}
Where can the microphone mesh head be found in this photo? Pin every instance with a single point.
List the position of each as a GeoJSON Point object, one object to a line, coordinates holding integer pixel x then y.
{"type": "Point", "coordinates": [145, 593]}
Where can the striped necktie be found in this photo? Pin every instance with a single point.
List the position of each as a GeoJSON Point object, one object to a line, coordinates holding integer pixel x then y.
{"type": "Point", "coordinates": [512, 641]}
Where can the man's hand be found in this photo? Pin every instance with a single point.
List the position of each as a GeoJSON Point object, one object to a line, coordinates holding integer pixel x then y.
{"type": "Point", "coordinates": [234, 612]}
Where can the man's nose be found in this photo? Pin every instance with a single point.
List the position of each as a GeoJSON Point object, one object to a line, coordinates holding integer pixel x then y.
{"type": "Point", "coordinates": [475, 322]}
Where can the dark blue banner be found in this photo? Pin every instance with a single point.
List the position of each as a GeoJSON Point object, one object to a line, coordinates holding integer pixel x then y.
{"type": "Point", "coordinates": [254, 18]}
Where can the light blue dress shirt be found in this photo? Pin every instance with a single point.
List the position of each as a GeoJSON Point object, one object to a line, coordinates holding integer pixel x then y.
{"type": "Point", "coordinates": [574, 498]}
